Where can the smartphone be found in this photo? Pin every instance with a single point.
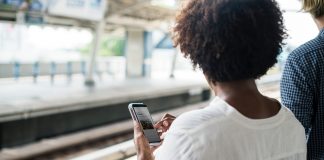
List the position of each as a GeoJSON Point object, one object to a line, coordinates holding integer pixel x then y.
{"type": "Point", "coordinates": [141, 114]}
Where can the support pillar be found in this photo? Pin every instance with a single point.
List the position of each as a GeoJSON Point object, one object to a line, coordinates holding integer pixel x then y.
{"type": "Point", "coordinates": [138, 53]}
{"type": "Point", "coordinates": [174, 62]}
{"type": "Point", "coordinates": [89, 81]}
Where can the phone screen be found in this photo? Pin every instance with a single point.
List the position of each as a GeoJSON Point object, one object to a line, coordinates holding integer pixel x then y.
{"type": "Point", "coordinates": [144, 117]}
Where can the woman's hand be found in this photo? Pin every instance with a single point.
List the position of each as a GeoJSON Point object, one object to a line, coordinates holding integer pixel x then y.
{"type": "Point", "coordinates": [164, 124]}
{"type": "Point", "coordinates": [143, 149]}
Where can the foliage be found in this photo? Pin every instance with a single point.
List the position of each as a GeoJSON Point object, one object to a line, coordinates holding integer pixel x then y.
{"type": "Point", "coordinates": [110, 46]}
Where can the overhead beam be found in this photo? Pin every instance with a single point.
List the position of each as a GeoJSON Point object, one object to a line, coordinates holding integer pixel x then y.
{"type": "Point", "coordinates": [130, 8]}
{"type": "Point", "coordinates": [68, 22]}
{"type": "Point", "coordinates": [127, 21]}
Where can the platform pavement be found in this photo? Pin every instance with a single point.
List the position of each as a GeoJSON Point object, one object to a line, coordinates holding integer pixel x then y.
{"type": "Point", "coordinates": [29, 112]}
{"type": "Point", "coordinates": [25, 100]}
{"type": "Point", "coordinates": [126, 148]}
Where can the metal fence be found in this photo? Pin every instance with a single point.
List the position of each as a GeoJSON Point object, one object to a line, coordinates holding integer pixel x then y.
{"type": "Point", "coordinates": [112, 66]}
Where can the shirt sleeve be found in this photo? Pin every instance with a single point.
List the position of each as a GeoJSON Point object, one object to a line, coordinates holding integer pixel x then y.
{"type": "Point", "coordinates": [298, 87]}
{"type": "Point", "coordinates": [176, 146]}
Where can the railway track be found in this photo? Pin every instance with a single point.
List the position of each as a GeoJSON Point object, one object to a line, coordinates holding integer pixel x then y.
{"type": "Point", "coordinates": [85, 142]}
{"type": "Point", "coordinates": [75, 144]}
{"type": "Point", "coordinates": [83, 148]}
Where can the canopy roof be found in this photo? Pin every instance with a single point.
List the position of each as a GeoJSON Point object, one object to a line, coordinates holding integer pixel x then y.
{"type": "Point", "coordinates": [120, 13]}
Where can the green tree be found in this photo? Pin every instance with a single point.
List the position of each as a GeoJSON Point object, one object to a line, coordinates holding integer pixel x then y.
{"type": "Point", "coordinates": [110, 46]}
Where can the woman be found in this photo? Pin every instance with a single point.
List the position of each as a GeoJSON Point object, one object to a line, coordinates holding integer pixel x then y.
{"type": "Point", "coordinates": [233, 42]}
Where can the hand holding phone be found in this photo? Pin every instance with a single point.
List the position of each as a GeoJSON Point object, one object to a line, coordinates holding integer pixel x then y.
{"type": "Point", "coordinates": [164, 124]}
{"type": "Point", "coordinates": [141, 114]}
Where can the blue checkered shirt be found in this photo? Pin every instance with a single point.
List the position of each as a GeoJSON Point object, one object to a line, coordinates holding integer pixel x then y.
{"type": "Point", "coordinates": [302, 91]}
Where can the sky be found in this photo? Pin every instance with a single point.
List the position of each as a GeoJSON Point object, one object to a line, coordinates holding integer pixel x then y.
{"type": "Point", "coordinates": [300, 25]}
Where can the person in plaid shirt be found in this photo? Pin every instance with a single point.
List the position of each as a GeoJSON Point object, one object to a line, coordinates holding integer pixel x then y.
{"type": "Point", "coordinates": [302, 85]}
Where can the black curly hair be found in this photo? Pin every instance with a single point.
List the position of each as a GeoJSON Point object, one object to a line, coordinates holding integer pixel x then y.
{"type": "Point", "coordinates": [230, 40]}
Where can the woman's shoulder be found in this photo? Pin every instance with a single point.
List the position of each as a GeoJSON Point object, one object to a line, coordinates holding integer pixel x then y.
{"type": "Point", "coordinates": [291, 118]}
{"type": "Point", "coordinates": [195, 118]}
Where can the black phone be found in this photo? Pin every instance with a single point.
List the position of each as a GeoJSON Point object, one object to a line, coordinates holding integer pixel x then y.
{"type": "Point", "coordinates": [141, 114]}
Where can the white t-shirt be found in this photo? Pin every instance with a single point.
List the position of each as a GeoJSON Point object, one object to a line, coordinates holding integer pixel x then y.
{"type": "Point", "coordinates": [220, 132]}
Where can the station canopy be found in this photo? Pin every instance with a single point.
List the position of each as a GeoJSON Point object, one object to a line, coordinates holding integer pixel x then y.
{"type": "Point", "coordinates": [117, 13]}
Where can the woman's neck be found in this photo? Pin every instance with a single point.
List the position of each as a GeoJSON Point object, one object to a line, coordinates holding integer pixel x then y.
{"type": "Point", "coordinates": [245, 97]}
{"type": "Point", "coordinates": [227, 90]}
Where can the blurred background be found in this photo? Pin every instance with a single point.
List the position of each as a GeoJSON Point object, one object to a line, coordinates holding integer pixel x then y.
{"type": "Point", "coordinates": [69, 68]}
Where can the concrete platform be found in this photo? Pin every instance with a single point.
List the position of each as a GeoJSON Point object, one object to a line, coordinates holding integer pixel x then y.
{"type": "Point", "coordinates": [31, 151]}
{"type": "Point", "coordinates": [23, 101]}
{"type": "Point", "coordinates": [268, 86]}
{"type": "Point", "coordinates": [30, 112]}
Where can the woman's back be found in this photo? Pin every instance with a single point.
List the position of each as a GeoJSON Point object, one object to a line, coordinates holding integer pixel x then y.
{"type": "Point", "coordinates": [221, 132]}
{"type": "Point", "coordinates": [233, 42]}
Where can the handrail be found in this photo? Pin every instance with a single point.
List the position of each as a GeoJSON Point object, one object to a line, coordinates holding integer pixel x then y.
{"type": "Point", "coordinates": [17, 70]}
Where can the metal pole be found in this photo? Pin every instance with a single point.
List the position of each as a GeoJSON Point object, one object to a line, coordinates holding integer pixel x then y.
{"type": "Point", "coordinates": [16, 70]}
{"type": "Point", "coordinates": [148, 49]}
{"type": "Point", "coordinates": [89, 81]}
{"type": "Point", "coordinates": [174, 61]}
{"type": "Point", "coordinates": [53, 71]}
{"type": "Point", "coordinates": [69, 71]}
{"type": "Point", "coordinates": [35, 71]}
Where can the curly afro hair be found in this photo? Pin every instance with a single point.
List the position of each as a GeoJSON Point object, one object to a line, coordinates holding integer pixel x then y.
{"type": "Point", "coordinates": [230, 40]}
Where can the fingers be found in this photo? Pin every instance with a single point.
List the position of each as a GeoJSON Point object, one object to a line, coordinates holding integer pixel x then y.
{"type": "Point", "coordinates": [162, 136]}
{"type": "Point", "coordinates": [141, 144]}
{"type": "Point", "coordinates": [164, 125]}
{"type": "Point", "coordinates": [139, 138]}
{"type": "Point", "coordinates": [158, 124]}
{"type": "Point", "coordinates": [167, 121]}
{"type": "Point", "coordinates": [164, 122]}
{"type": "Point", "coordinates": [137, 127]}
{"type": "Point", "coordinates": [138, 133]}
{"type": "Point", "coordinates": [167, 115]}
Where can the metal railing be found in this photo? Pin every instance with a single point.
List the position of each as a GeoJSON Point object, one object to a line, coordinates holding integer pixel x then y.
{"type": "Point", "coordinates": [113, 67]}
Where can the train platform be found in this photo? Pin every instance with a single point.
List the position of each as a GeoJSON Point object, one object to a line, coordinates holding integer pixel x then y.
{"type": "Point", "coordinates": [30, 112]}
{"type": "Point", "coordinates": [112, 141]}
{"type": "Point", "coordinates": [125, 150]}
{"type": "Point", "coordinates": [103, 105]}
{"type": "Point", "coordinates": [27, 100]}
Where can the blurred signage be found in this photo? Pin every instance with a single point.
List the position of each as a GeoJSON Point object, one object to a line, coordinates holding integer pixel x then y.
{"type": "Point", "coordinates": [93, 10]}
{"type": "Point", "coordinates": [36, 5]}
{"type": "Point", "coordinates": [27, 11]}
{"type": "Point", "coordinates": [35, 11]}
{"type": "Point", "coordinates": [10, 4]}
{"type": "Point", "coordinates": [32, 5]}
